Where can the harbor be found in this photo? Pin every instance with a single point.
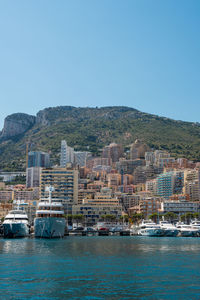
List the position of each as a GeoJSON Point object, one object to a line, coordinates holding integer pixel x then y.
{"type": "Point", "coordinates": [100, 150]}
{"type": "Point", "coordinates": [181, 230]}
{"type": "Point", "coordinates": [51, 223]}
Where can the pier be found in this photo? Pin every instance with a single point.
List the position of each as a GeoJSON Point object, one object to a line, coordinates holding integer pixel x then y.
{"type": "Point", "coordinates": [97, 233]}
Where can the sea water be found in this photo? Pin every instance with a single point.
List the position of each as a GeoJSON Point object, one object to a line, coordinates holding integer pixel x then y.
{"type": "Point", "coordinates": [100, 268]}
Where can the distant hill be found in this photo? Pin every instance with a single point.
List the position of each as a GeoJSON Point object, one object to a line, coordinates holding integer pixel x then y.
{"type": "Point", "coordinates": [93, 128]}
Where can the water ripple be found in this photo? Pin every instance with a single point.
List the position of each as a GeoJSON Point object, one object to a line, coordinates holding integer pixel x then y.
{"type": "Point", "coordinates": [100, 268]}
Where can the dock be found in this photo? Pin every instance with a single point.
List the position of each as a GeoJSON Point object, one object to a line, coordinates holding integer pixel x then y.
{"type": "Point", "coordinates": [96, 233]}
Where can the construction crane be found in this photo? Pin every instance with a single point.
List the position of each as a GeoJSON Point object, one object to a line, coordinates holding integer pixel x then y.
{"type": "Point", "coordinates": [27, 148]}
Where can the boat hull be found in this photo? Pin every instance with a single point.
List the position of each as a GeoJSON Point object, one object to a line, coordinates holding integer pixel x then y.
{"type": "Point", "coordinates": [151, 232]}
{"type": "Point", "coordinates": [15, 230]}
{"type": "Point", "coordinates": [170, 232]}
{"type": "Point", "coordinates": [49, 227]}
{"type": "Point", "coordinates": [188, 233]}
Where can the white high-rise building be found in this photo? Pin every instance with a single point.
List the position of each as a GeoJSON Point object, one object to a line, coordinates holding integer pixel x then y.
{"type": "Point", "coordinates": [67, 154]}
{"type": "Point", "coordinates": [63, 155]}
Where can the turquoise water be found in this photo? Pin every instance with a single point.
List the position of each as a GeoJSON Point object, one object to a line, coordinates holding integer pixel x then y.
{"type": "Point", "coordinates": [100, 268]}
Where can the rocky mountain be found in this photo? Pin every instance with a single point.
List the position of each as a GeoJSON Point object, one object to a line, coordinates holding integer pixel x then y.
{"type": "Point", "coordinates": [91, 128]}
{"type": "Point", "coordinates": [17, 124]}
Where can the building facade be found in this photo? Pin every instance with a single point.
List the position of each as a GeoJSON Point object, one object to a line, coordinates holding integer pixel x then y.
{"type": "Point", "coordinates": [65, 183]}
{"type": "Point", "coordinates": [93, 210]}
{"type": "Point", "coordinates": [33, 177]}
{"type": "Point", "coordinates": [113, 151]}
{"type": "Point", "coordinates": [66, 154]}
{"type": "Point", "coordinates": [80, 158]}
{"type": "Point", "coordinates": [180, 207]}
{"type": "Point", "coordinates": [38, 159]}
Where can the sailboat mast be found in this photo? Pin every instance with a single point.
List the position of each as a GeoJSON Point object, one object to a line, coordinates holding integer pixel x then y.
{"type": "Point", "coordinates": [50, 192]}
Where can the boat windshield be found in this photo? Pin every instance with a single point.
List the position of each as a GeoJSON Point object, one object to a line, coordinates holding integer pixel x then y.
{"type": "Point", "coordinates": [51, 208]}
{"type": "Point", "coordinates": [17, 212]}
{"type": "Point", "coordinates": [40, 215]}
{"type": "Point", "coordinates": [9, 218]}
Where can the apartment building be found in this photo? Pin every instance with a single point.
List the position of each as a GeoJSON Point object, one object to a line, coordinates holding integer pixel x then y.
{"type": "Point", "coordinates": [65, 183]}
{"type": "Point", "coordinates": [102, 204]}
{"type": "Point", "coordinates": [180, 207]}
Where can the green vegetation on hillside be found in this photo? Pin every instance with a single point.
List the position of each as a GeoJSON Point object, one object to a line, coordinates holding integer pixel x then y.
{"type": "Point", "coordinates": [92, 128]}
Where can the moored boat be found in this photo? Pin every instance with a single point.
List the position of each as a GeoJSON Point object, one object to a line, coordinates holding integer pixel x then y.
{"type": "Point", "coordinates": [169, 229]}
{"type": "Point", "coordinates": [196, 224]}
{"type": "Point", "coordinates": [49, 221]}
{"type": "Point", "coordinates": [149, 228]}
{"type": "Point", "coordinates": [16, 224]}
{"type": "Point", "coordinates": [187, 230]}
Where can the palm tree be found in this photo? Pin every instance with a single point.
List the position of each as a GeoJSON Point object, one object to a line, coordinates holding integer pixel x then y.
{"type": "Point", "coordinates": [110, 218]}
{"type": "Point", "coordinates": [154, 217]}
{"type": "Point", "coordinates": [69, 218]}
{"type": "Point", "coordinates": [137, 217]}
{"type": "Point", "coordinates": [103, 217]}
{"type": "Point", "coordinates": [170, 216]}
{"type": "Point", "coordinates": [187, 217]}
{"type": "Point", "coordinates": [124, 218]}
{"type": "Point", "coordinates": [195, 215]}
{"type": "Point", "coordinates": [78, 218]}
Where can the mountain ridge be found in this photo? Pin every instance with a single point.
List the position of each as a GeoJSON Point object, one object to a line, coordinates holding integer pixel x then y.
{"type": "Point", "coordinates": [85, 127]}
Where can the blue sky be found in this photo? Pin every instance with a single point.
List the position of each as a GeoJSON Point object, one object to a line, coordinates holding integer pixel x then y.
{"type": "Point", "coordinates": [142, 54]}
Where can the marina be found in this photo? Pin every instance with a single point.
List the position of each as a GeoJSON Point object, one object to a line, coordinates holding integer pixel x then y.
{"type": "Point", "coordinates": [148, 229]}
{"type": "Point", "coordinates": [100, 150]}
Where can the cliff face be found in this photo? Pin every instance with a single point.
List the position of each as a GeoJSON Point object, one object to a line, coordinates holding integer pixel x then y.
{"type": "Point", "coordinates": [42, 118]}
{"type": "Point", "coordinates": [16, 124]}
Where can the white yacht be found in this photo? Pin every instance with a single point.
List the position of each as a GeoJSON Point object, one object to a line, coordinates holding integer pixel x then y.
{"type": "Point", "coordinates": [149, 228]}
{"type": "Point", "coordinates": [187, 230]}
{"type": "Point", "coordinates": [169, 229]}
{"type": "Point", "coordinates": [16, 224]}
{"type": "Point", "coordinates": [49, 221]}
{"type": "Point", "coordinates": [196, 224]}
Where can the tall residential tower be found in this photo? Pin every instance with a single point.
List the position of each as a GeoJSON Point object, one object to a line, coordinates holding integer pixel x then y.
{"type": "Point", "coordinates": [66, 154]}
